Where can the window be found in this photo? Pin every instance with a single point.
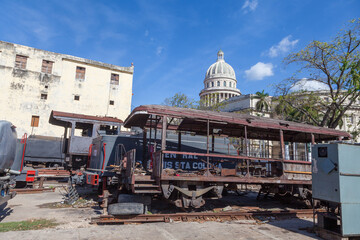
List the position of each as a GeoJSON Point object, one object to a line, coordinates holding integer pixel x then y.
{"type": "Point", "coordinates": [217, 98]}
{"type": "Point", "coordinates": [76, 97]}
{"type": "Point", "coordinates": [229, 84]}
{"type": "Point", "coordinates": [46, 86]}
{"type": "Point", "coordinates": [221, 95]}
{"type": "Point", "coordinates": [225, 95]}
{"type": "Point", "coordinates": [218, 83]}
{"type": "Point", "coordinates": [20, 62]}
{"type": "Point", "coordinates": [80, 73]}
{"type": "Point", "coordinates": [114, 79]}
{"type": "Point", "coordinates": [47, 66]}
{"type": "Point", "coordinates": [111, 102]}
{"type": "Point", "coordinates": [35, 121]}
{"type": "Point", "coordinates": [212, 84]}
{"type": "Point", "coordinates": [43, 96]}
{"type": "Point", "coordinates": [224, 83]}
{"type": "Point", "coordinates": [207, 85]}
{"type": "Point", "coordinates": [349, 119]}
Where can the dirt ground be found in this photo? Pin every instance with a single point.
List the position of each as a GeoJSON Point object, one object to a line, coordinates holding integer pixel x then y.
{"type": "Point", "coordinates": [74, 223]}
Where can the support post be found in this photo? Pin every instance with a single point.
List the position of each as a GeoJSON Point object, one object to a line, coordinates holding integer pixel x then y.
{"type": "Point", "coordinates": [282, 145]}
{"type": "Point", "coordinates": [144, 146]}
{"type": "Point", "coordinates": [212, 143]}
{"type": "Point", "coordinates": [163, 133]}
{"type": "Point", "coordinates": [207, 146]}
{"type": "Point", "coordinates": [179, 142]}
{"type": "Point", "coordinates": [246, 153]}
{"type": "Point", "coordinates": [312, 139]}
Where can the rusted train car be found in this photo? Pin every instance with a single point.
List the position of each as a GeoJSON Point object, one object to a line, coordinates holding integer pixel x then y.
{"type": "Point", "coordinates": [185, 177]}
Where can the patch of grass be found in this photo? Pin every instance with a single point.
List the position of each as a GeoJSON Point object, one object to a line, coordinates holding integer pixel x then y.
{"type": "Point", "coordinates": [33, 224]}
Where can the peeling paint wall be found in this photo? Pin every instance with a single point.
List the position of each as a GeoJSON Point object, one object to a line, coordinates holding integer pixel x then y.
{"type": "Point", "coordinates": [21, 89]}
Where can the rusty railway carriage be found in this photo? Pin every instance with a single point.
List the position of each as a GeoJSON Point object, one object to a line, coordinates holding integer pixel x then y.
{"type": "Point", "coordinates": [188, 186]}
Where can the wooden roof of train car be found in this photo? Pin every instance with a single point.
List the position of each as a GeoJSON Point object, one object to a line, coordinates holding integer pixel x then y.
{"type": "Point", "coordinates": [229, 124]}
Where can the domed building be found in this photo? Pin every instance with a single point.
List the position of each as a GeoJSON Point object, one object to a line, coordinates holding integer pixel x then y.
{"type": "Point", "coordinates": [219, 83]}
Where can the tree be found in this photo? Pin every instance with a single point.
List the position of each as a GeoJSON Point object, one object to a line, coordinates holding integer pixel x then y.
{"type": "Point", "coordinates": [183, 101]}
{"type": "Point", "coordinates": [262, 103]}
{"type": "Point", "coordinates": [180, 100]}
{"type": "Point", "coordinates": [334, 64]}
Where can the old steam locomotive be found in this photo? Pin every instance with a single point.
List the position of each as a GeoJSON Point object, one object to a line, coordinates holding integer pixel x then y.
{"type": "Point", "coordinates": [9, 164]}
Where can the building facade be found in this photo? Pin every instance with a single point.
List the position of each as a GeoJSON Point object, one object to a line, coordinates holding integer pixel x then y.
{"type": "Point", "coordinates": [34, 82]}
{"type": "Point", "coordinates": [247, 104]}
{"type": "Point", "coordinates": [219, 83]}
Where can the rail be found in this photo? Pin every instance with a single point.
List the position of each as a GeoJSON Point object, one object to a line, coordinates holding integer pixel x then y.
{"type": "Point", "coordinates": [202, 216]}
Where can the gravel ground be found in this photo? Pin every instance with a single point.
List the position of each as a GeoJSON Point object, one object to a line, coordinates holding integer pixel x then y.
{"type": "Point", "coordinates": [74, 224]}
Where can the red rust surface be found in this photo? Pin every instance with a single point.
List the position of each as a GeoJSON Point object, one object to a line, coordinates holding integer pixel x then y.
{"type": "Point", "coordinates": [202, 216]}
{"type": "Point", "coordinates": [232, 124]}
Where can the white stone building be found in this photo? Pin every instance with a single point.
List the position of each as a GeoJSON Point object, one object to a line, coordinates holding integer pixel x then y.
{"type": "Point", "coordinates": [34, 82]}
{"type": "Point", "coordinates": [247, 104]}
{"type": "Point", "coordinates": [219, 83]}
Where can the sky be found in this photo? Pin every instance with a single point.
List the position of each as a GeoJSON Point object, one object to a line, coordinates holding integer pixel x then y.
{"type": "Point", "coordinates": [173, 42]}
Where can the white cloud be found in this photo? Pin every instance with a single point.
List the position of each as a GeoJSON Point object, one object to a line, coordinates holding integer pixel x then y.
{"type": "Point", "coordinates": [146, 33]}
{"type": "Point", "coordinates": [249, 5]}
{"type": "Point", "coordinates": [282, 47]}
{"type": "Point", "coordinates": [306, 84]}
{"type": "Point", "coordinates": [159, 50]}
{"type": "Point", "coordinates": [259, 71]}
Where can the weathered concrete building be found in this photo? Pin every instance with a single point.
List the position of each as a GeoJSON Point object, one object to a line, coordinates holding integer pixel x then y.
{"type": "Point", "coordinates": [34, 82]}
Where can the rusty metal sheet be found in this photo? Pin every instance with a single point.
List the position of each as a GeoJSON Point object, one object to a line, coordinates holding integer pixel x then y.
{"type": "Point", "coordinates": [231, 124]}
{"type": "Point", "coordinates": [60, 118]}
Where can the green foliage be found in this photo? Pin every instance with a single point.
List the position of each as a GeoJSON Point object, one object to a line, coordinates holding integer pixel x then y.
{"type": "Point", "coordinates": [34, 224]}
{"type": "Point", "coordinates": [183, 101]}
{"type": "Point", "coordinates": [335, 64]}
{"type": "Point", "coordinates": [262, 104]}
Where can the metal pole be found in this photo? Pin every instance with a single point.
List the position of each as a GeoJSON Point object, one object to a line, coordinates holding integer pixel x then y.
{"type": "Point", "coordinates": [282, 144]}
{"type": "Point", "coordinates": [163, 135]}
{"type": "Point", "coordinates": [212, 143]}
{"type": "Point", "coordinates": [246, 153]}
{"type": "Point", "coordinates": [312, 138]}
{"type": "Point", "coordinates": [207, 145]}
{"type": "Point", "coordinates": [179, 141]}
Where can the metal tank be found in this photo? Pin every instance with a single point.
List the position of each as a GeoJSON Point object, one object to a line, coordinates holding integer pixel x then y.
{"type": "Point", "coordinates": [9, 163]}
{"type": "Point", "coordinates": [7, 145]}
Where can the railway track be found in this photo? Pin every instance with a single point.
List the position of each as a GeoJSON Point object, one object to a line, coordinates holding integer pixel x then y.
{"type": "Point", "coordinates": [32, 190]}
{"type": "Point", "coordinates": [202, 216]}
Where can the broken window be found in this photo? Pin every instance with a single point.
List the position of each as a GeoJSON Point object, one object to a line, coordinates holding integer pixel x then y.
{"type": "Point", "coordinates": [80, 73]}
{"type": "Point", "coordinates": [35, 121]}
{"type": "Point", "coordinates": [20, 61]}
{"type": "Point", "coordinates": [114, 79]}
{"type": "Point", "coordinates": [44, 96]}
{"type": "Point", "coordinates": [111, 102]}
{"type": "Point", "coordinates": [47, 66]}
{"type": "Point", "coordinates": [76, 97]}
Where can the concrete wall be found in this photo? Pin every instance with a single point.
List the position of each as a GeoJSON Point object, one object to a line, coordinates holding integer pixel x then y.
{"type": "Point", "coordinates": [21, 90]}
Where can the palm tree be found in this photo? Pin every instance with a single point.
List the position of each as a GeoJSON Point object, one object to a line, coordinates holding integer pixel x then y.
{"type": "Point", "coordinates": [262, 104]}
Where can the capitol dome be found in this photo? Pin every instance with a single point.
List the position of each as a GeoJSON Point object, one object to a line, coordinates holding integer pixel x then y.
{"type": "Point", "coordinates": [220, 68]}
{"type": "Point", "coordinates": [219, 83]}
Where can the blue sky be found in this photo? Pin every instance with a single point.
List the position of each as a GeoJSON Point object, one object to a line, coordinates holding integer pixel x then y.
{"type": "Point", "coordinates": [173, 42]}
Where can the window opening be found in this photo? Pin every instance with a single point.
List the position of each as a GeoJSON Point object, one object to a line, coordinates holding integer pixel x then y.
{"type": "Point", "coordinates": [114, 79]}
{"type": "Point", "coordinates": [80, 73]}
{"type": "Point", "coordinates": [20, 61]}
{"type": "Point", "coordinates": [35, 121]}
{"type": "Point", "coordinates": [47, 66]}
